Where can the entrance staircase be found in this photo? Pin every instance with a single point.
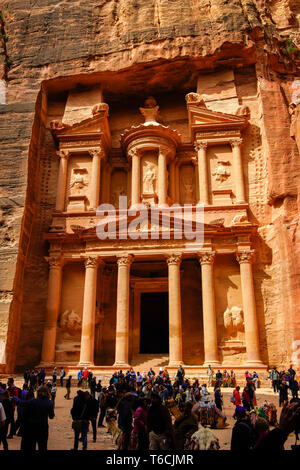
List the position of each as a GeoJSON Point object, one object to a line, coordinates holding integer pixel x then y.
{"type": "Point", "coordinates": [143, 362]}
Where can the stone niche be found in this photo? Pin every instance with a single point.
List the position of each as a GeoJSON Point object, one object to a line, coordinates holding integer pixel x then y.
{"type": "Point", "coordinates": [149, 176]}
{"type": "Point", "coordinates": [221, 171]}
{"type": "Point", "coordinates": [78, 183]}
{"type": "Point", "coordinates": [69, 321]}
{"type": "Point", "coordinates": [187, 184]}
{"type": "Point", "coordinates": [118, 186]}
{"type": "Point", "coordinates": [230, 318]}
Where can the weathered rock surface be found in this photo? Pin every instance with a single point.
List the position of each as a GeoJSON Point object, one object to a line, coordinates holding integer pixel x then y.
{"type": "Point", "coordinates": [145, 47]}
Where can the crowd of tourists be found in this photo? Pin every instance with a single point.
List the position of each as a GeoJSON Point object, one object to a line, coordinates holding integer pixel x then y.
{"type": "Point", "coordinates": [148, 410]}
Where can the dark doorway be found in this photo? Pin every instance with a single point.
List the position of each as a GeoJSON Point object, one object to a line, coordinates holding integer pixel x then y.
{"type": "Point", "coordinates": [154, 337]}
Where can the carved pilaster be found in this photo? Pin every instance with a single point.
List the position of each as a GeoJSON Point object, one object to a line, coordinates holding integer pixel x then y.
{"type": "Point", "coordinates": [125, 260]}
{"type": "Point", "coordinates": [236, 142]}
{"type": "Point", "coordinates": [200, 145]}
{"type": "Point", "coordinates": [91, 261]}
{"type": "Point", "coordinates": [174, 258]}
{"type": "Point", "coordinates": [245, 256]}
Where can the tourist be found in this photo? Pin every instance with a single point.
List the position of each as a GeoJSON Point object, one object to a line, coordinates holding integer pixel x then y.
{"type": "Point", "coordinates": [26, 376]}
{"type": "Point", "coordinates": [111, 399]}
{"type": "Point", "coordinates": [255, 380]}
{"type": "Point", "coordinates": [41, 377]}
{"type": "Point", "coordinates": [53, 392]}
{"type": "Point", "coordinates": [12, 391]}
{"type": "Point", "coordinates": [21, 408]}
{"type": "Point", "coordinates": [139, 379]}
{"type": "Point", "coordinates": [68, 387]}
{"type": "Point", "coordinates": [93, 386]}
{"type": "Point", "coordinates": [80, 413]}
{"type": "Point", "coordinates": [283, 392]}
{"type": "Point", "coordinates": [159, 425]}
{"type": "Point", "coordinates": [79, 377]}
{"type": "Point", "coordinates": [151, 373]}
{"type": "Point", "coordinates": [246, 398]}
{"type": "Point", "coordinates": [232, 380]}
{"type": "Point", "coordinates": [274, 375]}
{"type": "Point", "coordinates": [85, 376]}
{"type": "Point", "coordinates": [180, 374]}
{"type": "Point", "coordinates": [124, 409]}
{"type": "Point", "coordinates": [98, 389]}
{"type": "Point", "coordinates": [219, 378]}
{"type": "Point", "coordinates": [139, 435]}
{"type": "Point", "coordinates": [236, 398]}
{"type": "Point", "coordinates": [94, 410]}
{"type": "Point", "coordinates": [292, 372]}
{"type": "Point", "coordinates": [210, 374]}
{"type": "Point", "coordinates": [102, 406]}
{"type": "Point", "coordinates": [243, 435]}
{"type": "Point", "coordinates": [54, 375]}
{"type": "Point", "coordinates": [218, 399]}
{"type": "Point", "coordinates": [33, 380]}
{"type": "Point", "coordinates": [3, 428]}
{"type": "Point", "coordinates": [184, 426]}
{"type": "Point", "coordinates": [36, 428]}
{"type": "Point", "coordinates": [261, 428]}
{"type": "Point", "coordinates": [8, 411]}
{"type": "Point", "coordinates": [61, 376]}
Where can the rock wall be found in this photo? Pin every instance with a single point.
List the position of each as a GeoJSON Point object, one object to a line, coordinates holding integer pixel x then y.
{"type": "Point", "coordinates": [141, 47]}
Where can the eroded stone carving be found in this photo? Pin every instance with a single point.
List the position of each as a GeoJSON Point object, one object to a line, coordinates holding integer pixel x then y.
{"type": "Point", "coordinates": [222, 171]}
{"type": "Point", "coordinates": [78, 181]}
{"type": "Point", "coordinates": [195, 98]}
{"type": "Point", "coordinates": [239, 219]}
{"type": "Point", "coordinates": [233, 321]}
{"type": "Point", "coordinates": [294, 110]}
{"type": "Point", "coordinates": [149, 178]}
{"type": "Point", "coordinates": [70, 321]}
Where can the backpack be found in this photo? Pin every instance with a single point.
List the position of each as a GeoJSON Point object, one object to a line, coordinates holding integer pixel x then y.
{"type": "Point", "coordinates": [232, 398]}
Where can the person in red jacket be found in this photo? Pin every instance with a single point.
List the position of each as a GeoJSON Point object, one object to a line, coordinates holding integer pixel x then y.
{"type": "Point", "coordinates": [237, 396]}
{"type": "Point", "coordinates": [85, 375]}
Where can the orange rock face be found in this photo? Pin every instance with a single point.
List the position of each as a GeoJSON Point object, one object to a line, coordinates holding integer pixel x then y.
{"type": "Point", "coordinates": [58, 62]}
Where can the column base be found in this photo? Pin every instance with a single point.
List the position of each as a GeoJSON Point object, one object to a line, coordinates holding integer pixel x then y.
{"type": "Point", "coordinates": [121, 365]}
{"type": "Point", "coordinates": [85, 364]}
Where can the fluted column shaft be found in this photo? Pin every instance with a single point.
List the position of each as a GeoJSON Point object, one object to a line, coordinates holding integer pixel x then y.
{"type": "Point", "coordinates": [201, 148]}
{"type": "Point", "coordinates": [175, 327]}
{"type": "Point", "coordinates": [52, 310]}
{"type": "Point", "coordinates": [238, 170]}
{"type": "Point", "coordinates": [209, 309]}
{"type": "Point", "coordinates": [122, 326]}
{"type": "Point", "coordinates": [245, 259]}
{"type": "Point", "coordinates": [88, 313]}
{"type": "Point", "coordinates": [62, 180]}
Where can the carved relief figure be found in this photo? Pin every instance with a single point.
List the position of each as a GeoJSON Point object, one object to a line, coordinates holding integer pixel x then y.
{"type": "Point", "coordinates": [78, 181]}
{"type": "Point", "coordinates": [233, 321]}
{"type": "Point", "coordinates": [70, 321]}
{"type": "Point", "coordinates": [222, 171]}
{"type": "Point", "coordinates": [149, 179]}
{"type": "Point", "coordinates": [188, 190]}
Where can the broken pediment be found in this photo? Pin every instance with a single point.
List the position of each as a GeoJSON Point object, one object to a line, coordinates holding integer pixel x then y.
{"type": "Point", "coordinates": [202, 119]}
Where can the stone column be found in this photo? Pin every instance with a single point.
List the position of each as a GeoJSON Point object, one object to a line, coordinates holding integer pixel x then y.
{"type": "Point", "coordinates": [122, 328]}
{"type": "Point", "coordinates": [135, 178]}
{"type": "Point", "coordinates": [238, 170]}
{"type": "Point", "coordinates": [203, 172]}
{"type": "Point", "coordinates": [162, 176]}
{"type": "Point", "coordinates": [172, 181]}
{"type": "Point", "coordinates": [95, 178]}
{"type": "Point", "coordinates": [62, 180]}
{"type": "Point", "coordinates": [209, 310]}
{"type": "Point", "coordinates": [245, 259]}
{"type": "Point", "coordinates": [175, 329]}
{"type": "Point", "coordinates": [52, 310]}
{"type": "Point", "coordinates": [88, 312]}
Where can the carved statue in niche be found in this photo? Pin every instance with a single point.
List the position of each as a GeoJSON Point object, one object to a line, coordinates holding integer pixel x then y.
{"type": "Point", "coordinates": [149, 179]}
{"type": "Point", "coordinates": [233, 321]}
{"type": "Point", "coordinates": [222, 171]}
{"type": "Point", "coordinates": [70, 322]}
{"type": "Point", "coordinates": [188, 187]}
{"type": "Point", "coordinates": [78, 181]}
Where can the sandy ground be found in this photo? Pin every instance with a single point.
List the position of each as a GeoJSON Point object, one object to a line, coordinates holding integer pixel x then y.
{"type": "Point", "coordinates": [61, 433]}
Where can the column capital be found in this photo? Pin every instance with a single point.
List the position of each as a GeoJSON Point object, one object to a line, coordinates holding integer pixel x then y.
{"type": "Point", "coordinates": [63, 153]}
{"type": "Point", "coordinates": [133, 152]}
{"type": "Point", "coordinates": [245, 256]}
{"type": "Point", "coordinates": [200, 144]}
{"type": "Point", "coordinates": [55, 262]}
{"type": "Point", "coordinates": [174, 259]}
{"type": "Point", "coordinates": [236, 142]}
{"type": "Point", "coordinates": [97, 152]}
{"type": "Point", "coordinates": [124, 260]}
{"type": "Point", "coordinates": [206, 257]}
{"type": "Point", "coordinates": [164, 150]}
{"type": "Point", "coordinates": [92, 261]}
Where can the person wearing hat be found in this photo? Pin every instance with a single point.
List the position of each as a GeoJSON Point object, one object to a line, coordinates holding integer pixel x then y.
{"type": "Point", "coordinates": [243, 435]}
